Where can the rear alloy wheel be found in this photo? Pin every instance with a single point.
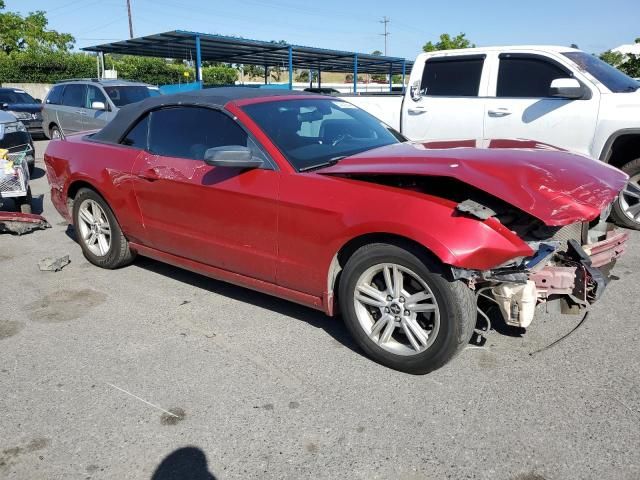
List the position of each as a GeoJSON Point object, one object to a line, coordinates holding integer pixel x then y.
{"type": "Point", "coordinates": [98, 232]}
{"type": "Point", "coordinates": [402, 311]}
{"type": "Point", "coordinates": [626, 209]}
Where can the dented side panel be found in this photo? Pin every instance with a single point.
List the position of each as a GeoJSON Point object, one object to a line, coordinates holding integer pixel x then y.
{"type": "Point", "coordinates": [219, 216]}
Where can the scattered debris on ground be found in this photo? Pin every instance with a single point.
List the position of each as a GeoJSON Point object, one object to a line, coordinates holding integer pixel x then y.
{"type": "Point", "coordinates": [53, 264]}
{"type": "Point", "coordinates": [21, 223]}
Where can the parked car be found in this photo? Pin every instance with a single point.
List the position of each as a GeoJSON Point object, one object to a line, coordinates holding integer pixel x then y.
{"type": "Point", "coordinates": [322, 90]}
{"type": "Point", "coordinates": [15, 138]}
{"type": "Point", "coordinates": [88, 104]}
{"type": "Point", "coordinates": [24, 107]}
{"type": "Point", "coordinates": [314, 200]}
{"type": "Point", "coordinates": [556, 95]}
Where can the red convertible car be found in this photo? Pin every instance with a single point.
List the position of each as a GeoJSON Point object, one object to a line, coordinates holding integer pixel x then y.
{"type": "Point", "coordinates": [313, 200]}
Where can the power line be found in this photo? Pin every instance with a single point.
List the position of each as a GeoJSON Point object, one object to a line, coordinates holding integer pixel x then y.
{"type": "Point", "coordinates": [385, 20]}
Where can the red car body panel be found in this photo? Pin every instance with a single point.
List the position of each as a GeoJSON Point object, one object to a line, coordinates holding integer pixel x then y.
{"type": "Point", "coordinates": [279, 231]}
{"type": "Point", "coordinates": [554, 186]}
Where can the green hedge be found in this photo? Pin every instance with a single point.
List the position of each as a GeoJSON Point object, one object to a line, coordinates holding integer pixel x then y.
{"type": "Point", "coordinates": [45, 67]}
{"type": "Point", "coordinates": [52, 67]}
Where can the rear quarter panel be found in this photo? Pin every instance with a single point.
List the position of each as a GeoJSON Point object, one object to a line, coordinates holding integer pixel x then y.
{"type": "Point", "coordinates": [105, 168]}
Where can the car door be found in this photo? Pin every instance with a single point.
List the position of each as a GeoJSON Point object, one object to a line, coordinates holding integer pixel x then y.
{"type": "Point", "coordinates": [71, 110]}
{"type": "Point", "coordinates": [220, 216]}
{"type": "Point", "coordinates": [521, 106]}
{"type": "Point", "coordinates": [95, 118]}
{"type": "Point", "coordinates": [448, 103]}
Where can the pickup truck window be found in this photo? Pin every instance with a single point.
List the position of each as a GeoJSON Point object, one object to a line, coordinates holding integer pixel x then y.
{"type": "Point", "coordinates": [611, 77]}
{"type": "Point", "coordinates": [452, 76]}
{"type": "Point", "coordinates": [527, 76]}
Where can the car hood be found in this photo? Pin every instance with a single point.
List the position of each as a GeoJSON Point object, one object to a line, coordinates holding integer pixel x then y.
{"type": "Point", "coordinates": [553, 185]}
{"type": "Point", "coordinates": [25, 107]}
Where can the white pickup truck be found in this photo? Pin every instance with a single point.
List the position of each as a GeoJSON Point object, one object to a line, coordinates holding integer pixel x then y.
{"type": "Point", "coordinates": [554, 95]}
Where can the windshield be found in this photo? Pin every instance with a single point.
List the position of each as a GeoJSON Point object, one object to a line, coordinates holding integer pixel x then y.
{"type": "Point", "coordinates": [609, 76]}
{"type": "Point", "coordinates": [126, 94]}
{"type": "Point", "coordinates": [312, 133]}
{"type": "Point", "coordinates": [16, 96]}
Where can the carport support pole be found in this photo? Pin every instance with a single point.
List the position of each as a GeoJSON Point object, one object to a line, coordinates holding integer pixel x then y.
{"type": "Point", "coordinates": [319, 79]}
{"type": "Point", "coordinates": [355, 73]}
{"type": "Point", "coordinates": [290, 67]}
{"type": "Point", "coordinates": [391, 76]}
{"type": "Point", "coordinates": [404, 70]}
{"type": "Point", "coordinates": [198, 61]}
{"type": "Point", "coordinates": [266, 74]}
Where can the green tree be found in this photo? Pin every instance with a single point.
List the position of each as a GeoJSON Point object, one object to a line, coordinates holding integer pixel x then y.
{"type": "Point", "coordinates": [18, 33]}
{"type": "Point", "coordinates": [612, 58]}
{"type": "Point", "coordinates": [447, 42]}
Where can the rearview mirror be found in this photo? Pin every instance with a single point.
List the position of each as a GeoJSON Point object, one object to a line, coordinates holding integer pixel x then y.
{"type": "Point", "coordinates": [98, 106]}
{"type": "Point", "coordinates": [4, 106]}
{"type": "Point", "coordinates": [566, 88]}
{"type": "Point", "coordinates": [235, 156]}
{"type": "Point", "coordinates": [414, 91]}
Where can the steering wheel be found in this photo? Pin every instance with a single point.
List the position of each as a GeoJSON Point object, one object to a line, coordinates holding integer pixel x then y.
{"type": "Point", "coordinates": [340, 138]}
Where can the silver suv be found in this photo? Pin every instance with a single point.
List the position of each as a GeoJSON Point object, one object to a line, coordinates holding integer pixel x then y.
{"type": "Point", "coordinates": [87, 104]}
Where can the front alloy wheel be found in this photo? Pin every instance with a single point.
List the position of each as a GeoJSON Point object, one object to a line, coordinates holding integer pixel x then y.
{"type": "Point", "coordinates": [397, 309]}
{"type": "Point", "coordinates": [402, 308]}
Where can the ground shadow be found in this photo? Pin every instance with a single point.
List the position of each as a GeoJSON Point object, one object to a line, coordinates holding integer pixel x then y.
{"type": "Point", "coordinates": [37, 205]}
{"type": "Point", "coordinates": [37, 173]}
{"type": "Point", "coordinates": [187, 463]}
{"type": "Point", "coordinates": [333, 326]}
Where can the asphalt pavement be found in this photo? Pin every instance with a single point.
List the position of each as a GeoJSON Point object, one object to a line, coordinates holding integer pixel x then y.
{"type": "Point", "coordinates": [152, 372]}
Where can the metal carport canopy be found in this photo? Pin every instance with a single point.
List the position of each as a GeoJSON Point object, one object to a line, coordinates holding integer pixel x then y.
{"type": "Point", "coordinates": [218, 48]}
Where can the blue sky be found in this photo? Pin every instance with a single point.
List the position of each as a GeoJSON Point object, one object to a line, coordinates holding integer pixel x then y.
{"type": "Point", "coordinates": [353, 25]}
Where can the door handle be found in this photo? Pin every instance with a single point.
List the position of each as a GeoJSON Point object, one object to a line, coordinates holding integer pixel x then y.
{"type": "Point", "coordinates": [150, 175]}
{"type": "Point", "coordinates": [499, 112]}
{"type": "Point", "coordinates": [417, 110]}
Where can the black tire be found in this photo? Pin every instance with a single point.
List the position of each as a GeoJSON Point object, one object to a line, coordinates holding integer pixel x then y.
{"type": "Point", "coordinates": [32, 167]}
{"type": "Point", "coordinates": [456, 302]}
{"type": "Point", "coordinates": [119, 253]}
{"type": "Point", "coordinates": [55, 132]}
{"type": "Point", "coordinates": [24, 203]}
{"type": "Point", "coordinates": [617, 214]}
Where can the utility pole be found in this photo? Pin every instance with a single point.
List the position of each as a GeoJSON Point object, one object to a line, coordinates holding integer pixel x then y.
{"type": "Point", "coordinates": [385, 20]}
{"type": "Point", "coordinates": [130, 21]}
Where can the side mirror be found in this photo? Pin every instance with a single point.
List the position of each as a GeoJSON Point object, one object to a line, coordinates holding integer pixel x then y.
{"type": "Point", "coordinates": [4, 106]}
{"type": "Point", "coordinates": [234, 156]}
{"type": "Point", "coordinates": [414, 91]}
{"type": "Point", "coordinates": [98, 106]}
{"type": "Point", "coordinates": [566, 88]}
{"type": "Point", "coordinates": [37, 100]}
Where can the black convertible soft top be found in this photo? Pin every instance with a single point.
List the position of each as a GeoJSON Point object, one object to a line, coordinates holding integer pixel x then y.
{"type": "Point", "coordinates": [210, 97]}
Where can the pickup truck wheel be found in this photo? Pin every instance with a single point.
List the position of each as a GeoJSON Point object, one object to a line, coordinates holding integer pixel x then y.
{"type": "Point", "coordinates": [626, 209]}
{"type": "Point", "coordinates": [402, 311]}
{"type": "Point", "coordinates": [98, 232]}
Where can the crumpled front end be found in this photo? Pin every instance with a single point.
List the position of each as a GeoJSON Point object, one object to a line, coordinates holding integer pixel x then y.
{"type": "Point", "coordinates": [571, 266]}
